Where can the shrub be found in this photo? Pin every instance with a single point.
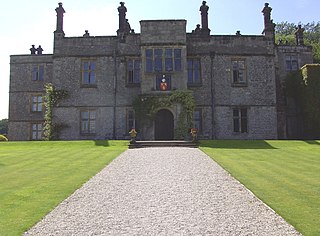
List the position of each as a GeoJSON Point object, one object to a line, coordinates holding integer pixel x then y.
{"type": "Point", "coordinates": [3, 138]}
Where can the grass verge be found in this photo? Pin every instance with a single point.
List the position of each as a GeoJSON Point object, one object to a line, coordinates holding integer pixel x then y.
{"type": "Point", "coordinates": [36, 176]}
{"type": "Point", "coordinates": [283, 174]}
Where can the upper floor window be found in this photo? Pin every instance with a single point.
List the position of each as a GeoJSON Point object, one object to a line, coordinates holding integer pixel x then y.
{"type": "Point", "coordinates": [238, 72]}
{"type": "Point", "coordinates": [163, 60]}
{"type": "Point", "coordinates": [37, 72]}
{"type": "Point", "coordinates": [88, 122]}
{"type": "Point", "coordinates": [133, 71]}
{"type": "Point", "coordinates": [163, 82]}
{"type": "Point", "coordinates": [194, 72]}
{"type": "Point", "coordinates": [36, 105]}
{"type": "Point", "coordinates": [36, 131]}
{"type": "Point", "coordinates": [292, 63]}
{"type": "Point", "coordinates": [88, 72]}
{"type": "Point", "coordinates": [240, 120]}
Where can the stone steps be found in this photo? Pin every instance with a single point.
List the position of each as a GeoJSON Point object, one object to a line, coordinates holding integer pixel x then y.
{"type": "Point", "coordinates": [169, 143]}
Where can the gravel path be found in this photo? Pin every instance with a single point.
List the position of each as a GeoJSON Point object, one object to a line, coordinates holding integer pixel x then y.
{"type": "Point", "coordinates": [162, 191]}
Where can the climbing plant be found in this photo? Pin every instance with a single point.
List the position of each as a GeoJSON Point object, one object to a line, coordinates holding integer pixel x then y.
{"type": "Point", "coordinates": [146, 106]}
{"type": "Point", "coordinates": [52, 96]}
{"type": "Point", "coordinates": [304, 89]}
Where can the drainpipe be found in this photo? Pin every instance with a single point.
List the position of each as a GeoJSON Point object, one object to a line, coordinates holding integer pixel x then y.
{"type": "Point", "coordinates": [212, 55]}
{"type": "Point", "coordinates": [115, 77]}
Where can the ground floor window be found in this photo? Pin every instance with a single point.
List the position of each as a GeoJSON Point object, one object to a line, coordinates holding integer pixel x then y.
{"type": "Point", "coordinates": [240, 120]}
{"type": "Point", "coordinates": [197, 119]}
{"type": "Point", "coordinates": [36, 131]}
{"type": "Point", "coordinates": [131, 120]}
{"type": "Point", "coordinates": [88, 122]}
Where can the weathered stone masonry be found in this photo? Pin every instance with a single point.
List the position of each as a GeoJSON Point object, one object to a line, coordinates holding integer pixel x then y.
{"type": "Point", "coordinates": [235, 79]}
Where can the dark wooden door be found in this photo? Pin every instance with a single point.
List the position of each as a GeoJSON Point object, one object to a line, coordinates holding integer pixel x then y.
{"type": "Point", "coordinates": [164, 125]}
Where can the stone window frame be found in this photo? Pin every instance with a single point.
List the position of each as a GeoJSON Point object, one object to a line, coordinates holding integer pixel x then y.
{"type": "Point", "coordinates": [38, 108]}
{"type": "Point", "coordinates": [194, 83]}
{"type": "Point", "coordinates": [90, 72]}
{"type": "Point", "coordinates": [37, 72]}
{"type": "Point", "coordinates": [153, 57]}
{"type": "Point", "coordinates": [88, 131]}
{"type": "Point", "coordinates": [235, 72]}
{"type": "Point", "coordinates": [36, 133]}
{"type": "Point", "coordinates": [291, 62]}
{"type": "Point", "coordinates": [129, 73]}
{"type": "Point", "coordinates": [240, 120]}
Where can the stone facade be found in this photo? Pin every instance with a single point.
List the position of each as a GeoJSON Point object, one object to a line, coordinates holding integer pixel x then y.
{"type": "Point", "coordinates": [236, 81]}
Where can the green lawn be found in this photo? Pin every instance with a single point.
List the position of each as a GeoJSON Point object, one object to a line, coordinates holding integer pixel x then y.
{"type": "Point", "coordinates": [36, 176]}
{"type": "Point", "coordinates": [284, 174]}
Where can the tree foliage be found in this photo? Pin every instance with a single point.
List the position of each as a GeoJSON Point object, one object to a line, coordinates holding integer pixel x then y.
{"type": "Point", "coordinates": [285, 32]}
{"type": "Point", "coordinates": [4, 126]}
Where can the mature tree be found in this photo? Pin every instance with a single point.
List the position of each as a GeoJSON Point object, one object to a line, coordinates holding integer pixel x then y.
{"type": "Point", "coordinates": [4, 126]}
{"type": "Point", "coordinates": [285, 32]}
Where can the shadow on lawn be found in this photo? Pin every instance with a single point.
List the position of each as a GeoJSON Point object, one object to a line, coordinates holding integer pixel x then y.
{"type": "Point", "coordinates": [104, 143]}
{"type": "Point", "coordinates": [313, 142]}
{"type": "Point", "coordinates": [236, 144]}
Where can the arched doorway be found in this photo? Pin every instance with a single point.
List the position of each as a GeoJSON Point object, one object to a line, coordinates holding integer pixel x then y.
{"type": "Point", "coordinates": [164, 125]}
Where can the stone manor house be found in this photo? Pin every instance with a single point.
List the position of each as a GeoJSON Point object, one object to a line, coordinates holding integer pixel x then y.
{"type": "Point", "coordinates": [236, 81]}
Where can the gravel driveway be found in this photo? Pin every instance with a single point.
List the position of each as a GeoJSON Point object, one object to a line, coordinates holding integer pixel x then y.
{"type": "Point", "coordinates": [162, 191]}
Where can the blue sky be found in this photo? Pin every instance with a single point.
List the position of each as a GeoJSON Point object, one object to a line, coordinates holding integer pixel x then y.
{"type": "Point", "coordinates": [24, 23]}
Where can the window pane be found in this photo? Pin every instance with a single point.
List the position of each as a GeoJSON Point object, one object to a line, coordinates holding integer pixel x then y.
{"type": "Point", "coordinates": [86, 77]}
{"type": "Point", "coordinates": [190, 64]}
{"type": "Point", "coordinates": [243, 112]}
{"type": "Point", "coordinates": [235, 76]}
{"type": "Point", "coordinates": [92, 79]}
{"type": "Point", "coordinates": [41, 72]}
{"type": "Point", "coordinates": [84, 126]}
{"type": "Point", "coordinates": [137, 64]}
{"type": "Point", "coordinates": [190, 76]}
{"type": "Point", "coordinates": [85, 115]}
{"type": "Point", "coordinates": [39, 108]}
{"type": "Point", "coordinates": [243, 125]}
{"type": "Point", "coordinates": [168, 53]}
{"type": "Point", "coordinates": [235, 65]}
{"type": "Point", "coordinates": [130, 77]}
{"type": "Point", "coordinates": [240, 76]}
{"type": "Point", "coordinates": [158, 52]}
{"type": "Point", "coordinates": [235, 113]}
{"type": "Point", "coordinates": [136, 76]}
{"type": "Point", "coordinates": [169, 64]}
{"type": "Point", "coordinates": [86, 66]}
{"type": "Point", "coordinates": [92, 115]}
{"type": "Point", "coordinates": [92, 126]}
{"type": "Point", "coordinates": [130, 65]}
{"type": "Point", "coordinates": [236, 127]}
{"type": "Point", "coordinates": [149, 66]}
{"type": "Point", "coordinates": [241, 65]}
{"type": "Point", "coordinates": [177, 64]}
{"type": "Point", "coordinates": [149, 53]}
{"type": "Point", "coordinates": [177, 53]}
{"type": "Point", "coordinates": [158, 64]}
{"type": "Point", "coordinates": [92, 65]}
{"type": "Point", "coordinates": [35, 73]}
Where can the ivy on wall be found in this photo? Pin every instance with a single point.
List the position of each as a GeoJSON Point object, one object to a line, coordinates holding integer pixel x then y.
{"type": "Point", "coordinates": [52, 96]}
{"type": "Point", "coordinates": [304, 87]}
{"type": "Point", "coordinates": [146, 106]}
